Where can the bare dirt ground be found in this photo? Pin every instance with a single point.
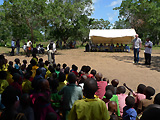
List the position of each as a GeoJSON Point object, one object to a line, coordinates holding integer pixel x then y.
{"type": "Point", "coordinates": [115, 65]}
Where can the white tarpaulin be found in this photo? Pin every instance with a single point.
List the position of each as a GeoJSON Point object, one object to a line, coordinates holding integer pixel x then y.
{"type": "Point", "coordinates": [114, 36]}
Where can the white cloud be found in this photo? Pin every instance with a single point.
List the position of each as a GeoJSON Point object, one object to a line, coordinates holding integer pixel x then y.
{"type": "Point", "coordinates": [115, 3]}
{"type": "Point", "coordinates": [110, 18]}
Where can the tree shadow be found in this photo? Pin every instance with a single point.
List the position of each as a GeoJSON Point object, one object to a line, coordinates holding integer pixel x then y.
{"type": "Point", "coordinates": [155, 62]}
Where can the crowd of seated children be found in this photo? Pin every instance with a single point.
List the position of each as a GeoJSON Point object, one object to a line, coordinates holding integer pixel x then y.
{"type": "Point", "coordinates": [41, 91]}
{"type": "Point", "coordinates": [108, 48]}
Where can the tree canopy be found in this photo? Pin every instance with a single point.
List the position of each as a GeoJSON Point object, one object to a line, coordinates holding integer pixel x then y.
{"type": "Point", "coordinates": [48, 20]}
{"type": "Point", "coordinates": [142, 15]}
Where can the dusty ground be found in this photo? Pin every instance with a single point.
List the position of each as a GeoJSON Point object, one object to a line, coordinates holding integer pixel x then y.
{"type": "Point", "coordinates": [112, 65]}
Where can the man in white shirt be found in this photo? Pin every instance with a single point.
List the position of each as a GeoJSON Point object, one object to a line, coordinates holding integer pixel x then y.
{"type": "Point", "coordinates": [136, 47]}
{"type": "Point", "coordinates": [53, 45]}
{"type": "Point", "coordinates": [148, 51]}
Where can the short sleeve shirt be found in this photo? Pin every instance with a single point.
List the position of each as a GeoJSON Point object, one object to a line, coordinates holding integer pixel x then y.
{"type": "Point", "coordinates": [70, 93]}
{"type": "Point", "coordinates": [136, 43]}
{"type": "Point", "coordinates": [89, 109]}
{"type": "Point", "coordinates": [147, 49]}
{"type": "Point", "coordinates": [129, 113]}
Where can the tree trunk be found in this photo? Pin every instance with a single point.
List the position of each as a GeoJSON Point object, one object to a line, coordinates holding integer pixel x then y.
{"type": "Point", "coordinates": [31, 29]}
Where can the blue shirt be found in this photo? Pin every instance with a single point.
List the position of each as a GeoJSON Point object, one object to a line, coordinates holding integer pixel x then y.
{"type": "Point", "coordinates": [16, 66]}
{"type": "Point", "coordinates": [129, 113]}
{"type": "Point", "coordinates": [13, 43]}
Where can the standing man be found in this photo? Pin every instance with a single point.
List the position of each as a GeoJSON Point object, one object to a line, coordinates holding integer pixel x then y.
{"type": "Point", "coordinates": [17, 46]}
{"type": "Point", "coordinates": [29, 47]}
{"type": "Point", "coordinates": [12, 46]}
{"type": "Point", "coordinates": [53, 45]}
{"type": "Point", "coordinates": [137, 43]}
{"type": "Point", "coordinates": [148, 51]}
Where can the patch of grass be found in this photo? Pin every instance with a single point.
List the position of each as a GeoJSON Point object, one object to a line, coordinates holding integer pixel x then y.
{"type": "Point", "coordinates": [156, 48]}
{"type": "Point", "coordinates": [4, 50]}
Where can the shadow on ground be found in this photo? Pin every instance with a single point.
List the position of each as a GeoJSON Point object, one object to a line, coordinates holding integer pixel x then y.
{"type": "Point", "coordinates": [155, 62]}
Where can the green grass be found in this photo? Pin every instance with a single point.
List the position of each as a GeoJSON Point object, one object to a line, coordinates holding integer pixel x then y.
{"type": "Point", "coordinates": [4, 50]}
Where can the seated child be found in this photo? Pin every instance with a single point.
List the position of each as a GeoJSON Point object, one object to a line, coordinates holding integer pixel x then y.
{"type": "Point", "coordinates": [149, 92]}
{"type": "Point", "coordinates": [63, 67]}
{"type": "Point", "coordinates": [121, 98]}
{"type": "Point", "coordinates": [9, 74]}
{"type": "Point", "coordinates": [112, 108]}
{"type": "Point", "coordinates": [82, 80]}
{"type": "Point", "coordinates": [152, 112]}
{"type": "Point", "coordinates": [70, 93]}
{"type": "Point", "coordinates": [17, 84]}
{"type": "Point", "coordinates": [139, 95]}
{"type": "Point", "coordinates": [86, 70]}
{"type": "Point", "coordinates": [89, 108]}
{"type": "Point", "coordinates": [41, 100]}
{"type": "Point", "coordinates": [108, 95]}
{"type": "Point", "coordinates": [25, 63]}
{"type": "Point", "coordinates": [61, 79]}
{"type": "Point", "coordinates": [115, 83]}
{"type": "Point", "coordinates": [10, 100]}
{"type": "Point", "coordinates": [57, 70]}
{"type": "Point", "coordinates": [40, 61]}
{"type": "Point", "coordinates": [22, 70]}
{"type": "Point", "coordinates": [46, 63]}
{"type": "Point", "coordinates": [37, 77]}
{"type": "Point", "coordinates": [66, 71]}
{"type": "Point", "coordinates": [34, 67]}
{"type": "Point", "coordinates": [25, 107]}
{"type": "Point", "coordinates": [93, 74]}
{"type": "Point", "coordinates": [17, 63]}
{"type": "Point", "coordinates": [55, 97]}
{"type": "Point", "coordinates": [101, 85]}
{"type": "Point", "coordinates": [3, 81]}
{"type": "Point", "coordinates": [35, 58]}
{"type": "Point", "coordinates": [26, 84]}
{"type": "Point", "coordinates": [82, 71]}
{"type": "Point", "coordinates": [11, 64]}
{"type": "Point", "coordinates": [49, 72]}
{"type": "Point", "coordinates": [114, 98]}
{"type": "Point", "coordinates": [43, 70]}
{"type": "Point", "coordinates": [129, 113]}
{"type": "Point", "coordinates": [74, 69]}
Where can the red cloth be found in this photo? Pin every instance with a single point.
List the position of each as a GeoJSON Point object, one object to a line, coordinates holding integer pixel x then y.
{"type": "Point", "coordinates": [31, 79]}
{"type": "Point", "coordinates": [90, 76]}
{"type": "Point", "coordinates": [17, 86]}
{"type": "Point", "coordinates": [75, 72]}
{"type": "Point", "coordinates": [101, 88]}
{"type": "Point", "coordinates": [41, 106]}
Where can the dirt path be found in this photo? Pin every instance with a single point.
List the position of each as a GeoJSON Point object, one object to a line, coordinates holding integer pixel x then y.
{"type": "Point", "coordinates": [112, 65]}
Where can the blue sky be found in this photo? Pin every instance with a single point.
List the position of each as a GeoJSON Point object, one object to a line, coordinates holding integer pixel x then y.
{"type": "Point", "coordinates": [1, 2]}
{"type": "Point", "coordinates": [104, 9]}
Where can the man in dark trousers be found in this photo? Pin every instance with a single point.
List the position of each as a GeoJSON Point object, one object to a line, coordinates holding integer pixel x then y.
{"type": "Point", "coordinates": [12, 46]}
{"type": "Point", "coordinates": [148, 51]}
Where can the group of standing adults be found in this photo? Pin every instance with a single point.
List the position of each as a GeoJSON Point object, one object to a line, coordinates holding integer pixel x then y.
{"type": "Point", "coordinates": [137, 44]}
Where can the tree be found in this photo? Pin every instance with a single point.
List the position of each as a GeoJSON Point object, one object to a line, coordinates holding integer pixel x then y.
{"type": "Point", "coordinates": [70, 18]}
{"type": "Point", "coordinates": [143, 16]}
{"type": "Point", "coordinates": [121, 24]}
{"type": "Point", "coordinates": [25, 16]}
{"type": "Point", "coordinates": [100, 24]}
